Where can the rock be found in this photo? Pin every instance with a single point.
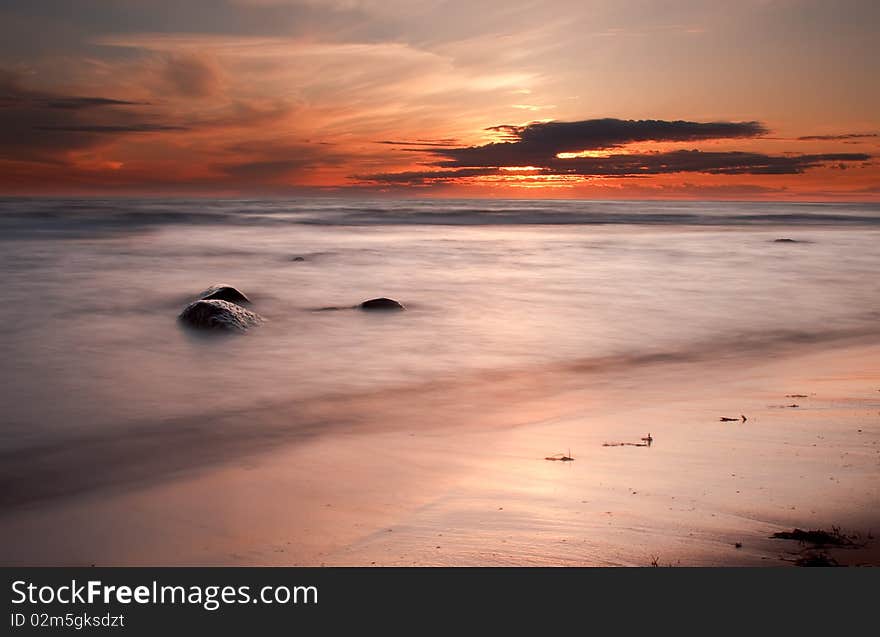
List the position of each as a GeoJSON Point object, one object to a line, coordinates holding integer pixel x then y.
{"type": "Point", "coordinates": [785, 241]}
{"type": "Point", "coordinates": [298, 259]}
{"type": "Point", "coordinates": [216, 314]}
{"type": "Point", "coordinates": [381, 304]}
{"type": "Point", "coordinates": [222, 292]}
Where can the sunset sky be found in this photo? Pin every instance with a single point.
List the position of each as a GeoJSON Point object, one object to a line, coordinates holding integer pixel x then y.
{"type": "Point", "coordinates": [754, 99]}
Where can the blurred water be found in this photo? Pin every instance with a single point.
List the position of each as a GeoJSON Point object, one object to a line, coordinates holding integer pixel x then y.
{"type": "Point", "coordinates": [92, 290]}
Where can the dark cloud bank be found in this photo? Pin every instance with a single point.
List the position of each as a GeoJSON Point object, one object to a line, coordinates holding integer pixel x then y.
{"type": "Point", "coordinates": [538, 144]}
{"type": "Point", "coordinates": [39, 126]}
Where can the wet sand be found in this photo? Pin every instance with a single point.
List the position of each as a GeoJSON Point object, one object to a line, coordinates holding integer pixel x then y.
{"type": "Point", "coordinates": [454, 473]}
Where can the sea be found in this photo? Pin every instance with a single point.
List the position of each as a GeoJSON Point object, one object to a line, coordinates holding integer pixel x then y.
{"type": "Point", "coordinates": [91, 344]}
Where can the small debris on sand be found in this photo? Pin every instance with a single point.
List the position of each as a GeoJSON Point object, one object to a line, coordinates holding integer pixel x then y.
{"type": "Point", "coordinates": [817, 537]}
{"type": "Point", "coordinates": [625, 444]}
{"type": "Point", "coordinates": [561, 457]}
{"type": "Point", "coordinates": [796, 396]}
{"type": "Point", "coordinates": [726, 419]}
{"type": "Point", "coordinates": [816, 558]}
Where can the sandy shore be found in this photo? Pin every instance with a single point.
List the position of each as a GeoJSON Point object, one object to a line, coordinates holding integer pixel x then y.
{"type": "Point", "coordinates": [454, 474]}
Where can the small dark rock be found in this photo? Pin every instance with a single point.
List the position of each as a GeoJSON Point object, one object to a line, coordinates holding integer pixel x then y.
{"type": "Point", "coordinates": [215, 314]}
{"type": "Point", "coordinates": [298, 259]}
{"type": "Point", "coordinates": [381, 304]}
{"type": "Point", "coordinates": [222, 292]}
{"type": "Point", "coordinates": [785, 241]}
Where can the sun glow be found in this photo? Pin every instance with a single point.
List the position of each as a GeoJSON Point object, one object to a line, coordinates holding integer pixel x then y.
{"type": "Point", "coordinates": [520, 169]}
{"type": "Point", "coordinates": [531, 181]}
{"type": "Point", "coordinates": [584, 153]}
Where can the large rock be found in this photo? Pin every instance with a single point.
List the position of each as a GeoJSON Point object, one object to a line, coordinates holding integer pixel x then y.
{"type": "Point", "coordinates": [215, 314]}
{"type": "Point", "coordinates": [223, 292]}
{"type": "Point", "coordinates": [381, 304]}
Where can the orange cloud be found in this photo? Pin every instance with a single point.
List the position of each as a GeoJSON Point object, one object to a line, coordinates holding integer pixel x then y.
{"type": "Point", "coordinates": [283, 96]}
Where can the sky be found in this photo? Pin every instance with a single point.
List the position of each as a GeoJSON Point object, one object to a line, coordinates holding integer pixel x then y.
{"type": "Point", "coordinates": [597, 99]}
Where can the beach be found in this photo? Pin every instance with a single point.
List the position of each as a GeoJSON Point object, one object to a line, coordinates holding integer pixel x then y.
{"type": "Point", "coordinates": [447, 488]}
{"type": "Point", "coordinates": [421, 437]}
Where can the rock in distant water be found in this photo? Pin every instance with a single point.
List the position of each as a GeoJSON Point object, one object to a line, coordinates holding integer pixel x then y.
{"type": "Point", "coordinates": [218, 315]}
{"type": "Point", "coordinates": [381, 304]}
{"type": "Point", "coordinates": [785, 241]}
{"type": "Point", "coordinates": [222, 292]}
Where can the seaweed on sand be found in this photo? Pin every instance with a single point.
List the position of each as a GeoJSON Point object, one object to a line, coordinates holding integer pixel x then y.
{"type": "Point", "coordinates": [625, 444]}
{"type": "Point", "coordinates": [817, 537]}
{"type": "Point", "coordinates": [816, 558]}
{"type": "Point", "coordinates": [813, 542]}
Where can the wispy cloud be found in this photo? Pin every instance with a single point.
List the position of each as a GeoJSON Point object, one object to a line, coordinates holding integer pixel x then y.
{"type": "Point", "coordinates": [834, 138]}
{"type": "Point", "coordinates": [38, 125]}
{"type": "Point", "coordinates": [112, 128]}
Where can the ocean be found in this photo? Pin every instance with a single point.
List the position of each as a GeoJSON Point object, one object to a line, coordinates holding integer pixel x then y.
{"type": "Point", "coordinates": [91, 344]}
